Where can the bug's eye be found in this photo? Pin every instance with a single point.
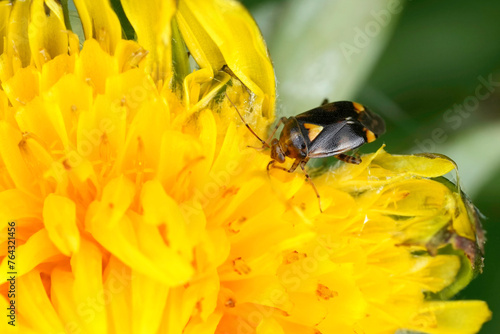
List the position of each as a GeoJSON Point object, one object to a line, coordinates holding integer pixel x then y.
{"type": "Point", "coordinates": [303, 146]}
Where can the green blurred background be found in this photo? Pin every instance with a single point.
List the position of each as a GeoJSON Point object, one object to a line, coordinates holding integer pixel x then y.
{"type": "Point", "coordinates": [431, 70]}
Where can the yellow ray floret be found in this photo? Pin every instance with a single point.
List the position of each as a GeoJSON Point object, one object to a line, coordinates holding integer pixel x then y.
{"type": "Point", "coordinates": [140, 208]}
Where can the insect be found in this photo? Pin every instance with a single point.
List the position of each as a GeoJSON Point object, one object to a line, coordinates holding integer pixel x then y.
{"type": "Point", "coordinates": [331, 129]}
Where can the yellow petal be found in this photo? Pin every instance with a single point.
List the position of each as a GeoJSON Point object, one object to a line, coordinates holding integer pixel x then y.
{"type": "Point", "coordinates": [52, 71]}
{"type": "Point", "coordinates": [62, 297]}
{"type": "Point", "coordinates": [183, 230]}
{"type": "Point", "coordinates": [12, 323]}
{"type": "Point", "coordinates": [23, 86]}
{"type": "Point", "coordinates": [266, 289]}
{"type": "Point", "coordinates": [193, 83]}
{"type": "Point", "coordinates": [449, 317]}
{"type": "Point", "coordinates": [307, 310]}
{"type": "Point", "coordinates": [94, 66]}
{"type": "Point", "coordinates": [35, 307]}
{"type": "Point", "coordinates": [34, 121]}
{"type": "Point", "coordinates": [427, 166]}
{"type": "Point", "coordinates": [15, 204]}
{"type": "Point", "coordinates": [180, 305]}
{"type": "Point", "coordinates": [99, 22]}
{"type": "Point", "coordinates": [130, 55]}
{"type": "Point", "coordinates": [345, 303]}
{"type": "Point", "coordinates": [205, 23]}
{"type": "Point", "coordinates": [462, 222]}
{"type": "Point", "coordinates": [67, 106]}
{"type": "Point", "coordinates": [59, 217]}
{"type": "Point", "coordinates": [18, 50]}
{"type": "Point", "coordinates": [117, 282]}
{"type": "Point", "coordinates": [202, 47]}
{"type": "Point", "coordinates": [151, 22]}
{"type": "Point", "coordinates": [435, 273]}
{"type": "Point", "coordinates": [116, 199]}
{"type": "Point", "coordinates": [269, 326]}
{"type": "Point", "coordinates": [140, 246]}
{"type": "Point", "coordinates": [149, 298]}
{"type": "Point", "coordinates": [195, 296]}
{"type": "Point", "coordinates": [161, 209]}
{"type": "Point", "coordinates": [4, 110]}
{"type": "Point", "coordinates": [176, 174]}
{"type": "Point", "coordinates": [208, 135]}
{"type": "Point", "coordinates": [5, 9]}
{"type": "Point", "coordinates": [414, 197]}
{"type": "Point", "coordinates": [206, 327]}
{"type": "Point", "coordinates": [47, 32]}
{"type": "Point", "coordinates": [96, 134]}
{"type": "Point", "coordinates": [136, 118]}
{"type": "Point", "coordinates": [37, 249]}
{"type": "Point", "coordinates": [86, 265]}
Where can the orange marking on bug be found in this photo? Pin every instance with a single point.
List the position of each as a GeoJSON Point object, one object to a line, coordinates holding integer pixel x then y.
{"type": "Point", "coordinates": [313, 130]}
{"type": "Point", "coordinates": [358, 107]}
{"type": "Point", "coordinates": [370, 136]}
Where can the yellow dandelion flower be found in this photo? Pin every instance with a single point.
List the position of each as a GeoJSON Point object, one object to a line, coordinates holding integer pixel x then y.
{"type": "Point", "coordinates": [130, 202]}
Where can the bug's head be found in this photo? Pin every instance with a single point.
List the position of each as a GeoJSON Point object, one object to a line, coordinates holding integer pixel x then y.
{"type": "Point", "coordinates": [276, 151]}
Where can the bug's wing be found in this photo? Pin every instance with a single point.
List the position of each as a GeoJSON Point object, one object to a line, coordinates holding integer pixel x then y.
{"type": "Point", "coordinates": [329, 113]}
{"type": "Point", "coordinates": [336, 138]}
{"type": "Point", "coordinates": [343, 111]}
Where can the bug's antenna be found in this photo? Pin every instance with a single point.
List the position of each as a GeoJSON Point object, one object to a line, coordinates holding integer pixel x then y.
{"type": "Point", "coordinates": [264, 144]}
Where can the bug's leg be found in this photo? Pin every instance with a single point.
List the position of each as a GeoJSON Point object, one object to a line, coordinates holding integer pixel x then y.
{"type": "Point", "coordinates": [271, 164]}
{"type": "Point", "coordinates": [281, 121]}
{"type": "Point", "coordinates": [325, 101]}
{"type": "Point", "coordinates": [264, 144]}
{"type": "Point", "coordinates": [349, 159]}
{"type": "Point", "coordinates": [355, 153]}
{"type": "Point", "coordinates": [296, 164]}
{"type": "Point", "coordinates": [308, 178]}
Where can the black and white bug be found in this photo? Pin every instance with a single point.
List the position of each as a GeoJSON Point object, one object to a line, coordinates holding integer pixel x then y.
{"type": "Point", "coordinates": [331, 129]}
